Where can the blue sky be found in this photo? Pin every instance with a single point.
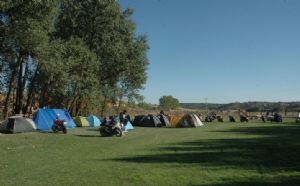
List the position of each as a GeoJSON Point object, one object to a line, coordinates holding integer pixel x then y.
{"type": "Point", "coordinates": [223, 50]}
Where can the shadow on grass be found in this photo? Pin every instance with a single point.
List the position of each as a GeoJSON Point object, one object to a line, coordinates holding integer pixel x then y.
{"type": "Point", "coordinates": [281, 181]}
{"type": "Point", "coordinates": [267, 149]}
{"type": "Point", "coordinates": [88, 136]}
{"type": "Point", "coordinates": [45, 132]}
{"type": "Point", "coordinates": [92, 129]}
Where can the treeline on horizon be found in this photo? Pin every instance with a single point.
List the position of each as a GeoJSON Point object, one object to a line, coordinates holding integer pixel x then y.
{"type": "Point", "coordinates": [71, 54]}
{"type": "Point", "coordinates": [247, 106]}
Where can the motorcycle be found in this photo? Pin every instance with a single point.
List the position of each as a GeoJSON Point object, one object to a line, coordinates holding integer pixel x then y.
{"type": "Point", "coordinates": [59, 125]}
{"type": "Point", "coordinates": [277, 118]}
{"type": "Point", "coordinates": [111, 129]}
{"type": "Point", "coordinates": [244, 119]}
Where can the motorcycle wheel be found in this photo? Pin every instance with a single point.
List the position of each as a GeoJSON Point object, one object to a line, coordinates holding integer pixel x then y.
{"type": "Point", "coordinates": [64, 131]}
{"type": "Point", "coordinates": [103, 133]}
{"type": "Point", "coordinates": [54, 129]}
{"type": "Point", "coordinates": [118, 132]}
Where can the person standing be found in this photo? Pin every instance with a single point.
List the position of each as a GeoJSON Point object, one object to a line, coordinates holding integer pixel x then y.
{"type": "Point", "coordinates": [123, 118]}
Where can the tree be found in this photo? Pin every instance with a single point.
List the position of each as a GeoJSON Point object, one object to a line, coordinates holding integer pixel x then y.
{"type": "Point", "coordinates": [279, 107]}
{"type": "Point", "coordinates": [168, 102]}
{"type": "Point", "coordinates": [25, 27]}
{"type": "Point", "coordinates": [108, 32]}
{"type": "Point", "coordinates": [67, 75]}
{"type": "Point", "coordinates": [71, 54]}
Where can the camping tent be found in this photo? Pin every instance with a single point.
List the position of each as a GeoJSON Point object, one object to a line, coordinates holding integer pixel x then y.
{"type": "Point", "coordinates": [44, 118]}
{"type": "Point", "coordinates": [93, 121]}
{"type": "Point", "coordinates": [175, 120]}
{"type": "Point", "coordinates": [189, 120]}
{"type": "Point", "coordinates": [148, 121]}
{"type": "Point", "coordinates": [128, 126]}
{"type": "Point", "coordinates": [81, 121]}
{"type": "Point", "coordinates": [16, 124]}
{"type": "Point", "coordinates": [137, 120]}
{"type": "Point", "coordinates": [164, 120]}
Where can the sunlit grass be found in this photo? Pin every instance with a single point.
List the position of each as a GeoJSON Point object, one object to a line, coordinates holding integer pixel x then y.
{"type": "Point", "coordinates": [217, 154]}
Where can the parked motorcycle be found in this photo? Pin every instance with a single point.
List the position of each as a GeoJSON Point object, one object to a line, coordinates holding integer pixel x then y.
{"type": "Point", "coordinates": [275, 117]}
{"type": "Point", "coordinates": [59, 125]}
{"type": "Point", "coordinates": [220, 118]}
{"type": "Point", "coordinates": [111, 128]}
{"type": "Point", "coordinates": [244, 119]}
{"type": "Point", "coordinates": [263, 119]}
{"type": "Point", "coordinates": [231, 119]}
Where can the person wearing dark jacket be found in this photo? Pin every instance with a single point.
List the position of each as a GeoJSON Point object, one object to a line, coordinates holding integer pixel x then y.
{"type": "Point", "coordinates": [123, 118]}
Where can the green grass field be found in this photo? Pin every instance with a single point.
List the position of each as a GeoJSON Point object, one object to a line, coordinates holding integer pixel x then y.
{"type": "Point", "coordinates": [221, 154]}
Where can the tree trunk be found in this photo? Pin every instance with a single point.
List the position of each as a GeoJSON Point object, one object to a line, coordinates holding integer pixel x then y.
{"type": "Point", "coordinates": [25, 78]}
{"type": "Point", "coordinates": [11, 85]}
{"type": "Point", "coordinates": [32, 104]}
{"type": "Point", "coordinates": [31, 93]}
{"type": "Point", "coordinates": [103, 106]}
{"type": "Point", "coordinates": [42, 101]}
{"type": "Point", "coordinates": [18, 101]}
{"type": "Point", "coordinates": [80, 106]}
{"type": "Point", "coordinates": [120, 101]}
{"type": "Point", "coordinates": [71, 106]}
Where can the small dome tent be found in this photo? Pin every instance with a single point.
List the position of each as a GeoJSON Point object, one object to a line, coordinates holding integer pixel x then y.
{"type": "Point", "coordinates": [190, 120]}
{"type": "Point", "coordinates": [175, 120]}
{"type": "Point", "coordinates": [150, 121]}
{"type": "Point", "coordinates": [81, 121]}
{"type": "Point", "coordinates": [17, 124]}
{"type": "Point", "coordinates": [164, 120]}
{"type": "Point", "coordinates": [128, 126]}
{"type": "Point", "coordinates": [94, 121]}
{"type": "Point", "coordinates": [137, 120]}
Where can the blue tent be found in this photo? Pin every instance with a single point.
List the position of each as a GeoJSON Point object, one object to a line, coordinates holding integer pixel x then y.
{"type": "Point", "coordinates": [128, 126]}
{"type": "Point", "coordinates": [44, 118]}
{"type": "Point", "coordinates": [93, 121]}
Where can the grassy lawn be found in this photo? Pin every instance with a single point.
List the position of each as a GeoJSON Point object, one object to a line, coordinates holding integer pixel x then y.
{"type": "Point", "coordinates": [221, 154]}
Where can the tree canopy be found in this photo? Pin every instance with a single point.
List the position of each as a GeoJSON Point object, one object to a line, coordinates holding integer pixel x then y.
{"type": "Point", "coordinates": [72, 54]}
{"type": "Point", "coordinates": [168, 102]}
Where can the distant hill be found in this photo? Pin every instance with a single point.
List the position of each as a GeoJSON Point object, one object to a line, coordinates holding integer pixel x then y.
{"type": "Point", "coordinates": [248, 106]}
